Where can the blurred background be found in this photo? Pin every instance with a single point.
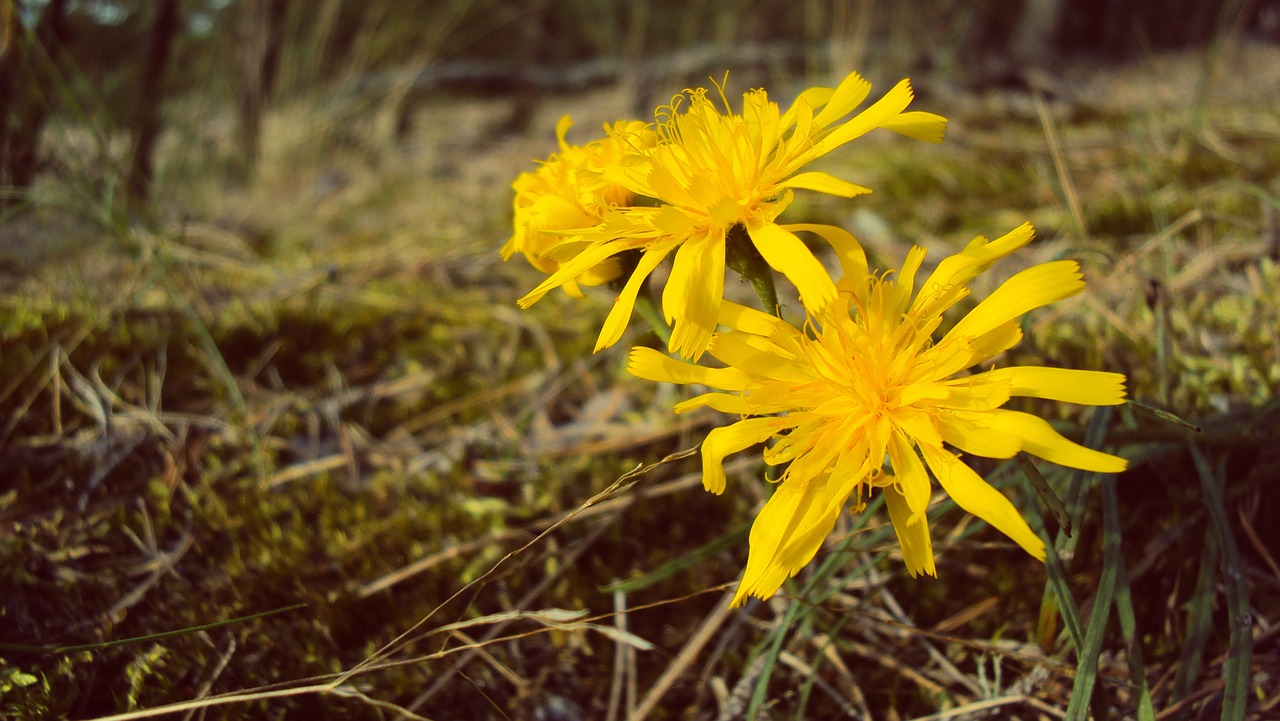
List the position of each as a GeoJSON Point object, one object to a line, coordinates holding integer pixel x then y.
{"type": "Point", "coordinates": [258, 349]}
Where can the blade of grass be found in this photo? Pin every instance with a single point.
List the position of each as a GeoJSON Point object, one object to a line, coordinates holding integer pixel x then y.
{"type": "Point", "coordinates": [807, 690]}
{"type": "Point", "coordinates": [1057, 592]}
{"type": "Point", "coordinates": [828, 567]}
{"type": "Point", "coordinates": [1199, 621]}
{"type": "Point", "coordinates": [1128, 629]}
{"type": "Point", "coordinates": [687, 561]}
{"type": "Point", "coordinates": [1163, 415]}
{"type": "Point", "coordinates": [49, 650]}
{"type": "Point", "coordinates": [1057, 600]}
{"type": "Point", "coordinates": [1045, 492]}
{"type": "Point", "coordinates": [1087, 668]}
{"type": "Point", "coordinates": [771, 660]}
{"type": "Point", "coordinates": [1240, 649]}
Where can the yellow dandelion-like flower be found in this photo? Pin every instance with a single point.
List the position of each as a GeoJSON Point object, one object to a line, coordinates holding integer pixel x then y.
{"type": "Point", "coordinates": [714, 170]}
{"type": "Point", "coordinates": [868, 381]}
{"type": "Point", "coordinates": [568, 193]}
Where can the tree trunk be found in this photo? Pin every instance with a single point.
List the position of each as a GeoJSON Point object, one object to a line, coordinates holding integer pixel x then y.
{"type": "Point", "coordinates": [26, 74]}
{"type": "Point", "coordinates": [146, 126]}
{"type": "Point", "coordinates": [258, 53]}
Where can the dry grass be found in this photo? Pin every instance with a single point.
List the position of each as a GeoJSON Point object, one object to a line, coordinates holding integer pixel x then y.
{"type": "Point", "coordinates": [318, 390]}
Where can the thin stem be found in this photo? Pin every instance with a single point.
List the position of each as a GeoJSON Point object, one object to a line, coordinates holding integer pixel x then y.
{"type": "Point", "coordinates": [742, 256]}
{"type": "Point", "coordinates": [648, 310]}
{"type": "Point", "coordinates": [645, 306]}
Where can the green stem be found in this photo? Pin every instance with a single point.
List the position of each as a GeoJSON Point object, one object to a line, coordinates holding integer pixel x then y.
{"type": "Point", "coordinates": [648, 310]}
{"type": "Point", "coordinates": [645, 306]}
{"type": "Point", "coordinates": [742, 256]}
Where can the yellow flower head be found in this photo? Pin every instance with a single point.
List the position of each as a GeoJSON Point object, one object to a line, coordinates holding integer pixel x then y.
{"type": "Point", "coordinates": [868, 381]}
{"type": "Point", "coordinates": [568, 193]}
{"type": "Point", "coordinates": [713, 169]}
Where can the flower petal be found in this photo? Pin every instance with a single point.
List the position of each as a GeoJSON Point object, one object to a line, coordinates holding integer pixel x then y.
{"type": "Point", "coordinates": [764, 573]}
{"type": "Point", "coordinates": [994, 342]}
{"type": "Point", "coordinates": [787, 254]}
{"type": "Point", "coordinates": [1034, 287]}
{"type": "Point", "coordinates": [1040, 439]}
{"type": "Point", "coordinates": [912, 477]}
{"type": "Point", "coordinates": [693, 292]}
{"type": "Point", "coordinates": [905, 282]}
{"type": "Point", "coordinates": [848, 95]}
{"type": "Point", "coordinates": [913, 536]}
{"type": "Point", "coordinates": [652, 365]}
{"type": "Point", "coordinates": [812, 530]}
{"type": "Point", "coordinates": [967, 432]}
{"type": "Point", "coordinates": [893, 103]}
{"type": "Point", "coordinates": [573, 268]}
{"type": "Point", "coordinates": [977, 496]}
{"type": "Point", "coordinates": [918, 125]}
{"type": "Point", "coordinates": [620, 314]}
{"type": "Point", "coordinates": [946, 285]}
{"type": "Point", "coordinates": [812, 97]}
{"type": "Point", "coordinates": [979, 392]}
{"type": "Point", "coordinates": [725, 440]}
{"type": "Point", "coordinates": [749, 320]}
{"type": "Point", "coordinates": [824, 183]}
{"type": "Point", "coordinates": [732, 403]}
{"type": "Point", "coordinates": [759, 358]}
{"type": "Point", "coordinates": [853, 259]}
{"type": "Point", "coordinates": [1090, 388]}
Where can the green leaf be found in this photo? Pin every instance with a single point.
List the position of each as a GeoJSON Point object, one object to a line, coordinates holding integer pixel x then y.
{"type": "Point", "coordinates": [1235, 670]}
{"type": "Point", "coordinates": [1087, 666]}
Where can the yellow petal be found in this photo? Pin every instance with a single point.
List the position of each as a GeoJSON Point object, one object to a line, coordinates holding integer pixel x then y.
{"type": "Point", "coordinates": [732, 403]}
{"type": "Point", "coordinates": [616, 322]}
{"type": "Point", "coordinates": [787, 254]}
{"type": "Point", "coordinates": [651, 365]}
{"type": "Point", "coordinates": [1032, 288]}
{"type": "Point", "coordinates": [912, 477]}
{"type": "Point", "coordinates": [969, 433]}
{"type": "Point", "coordinates": [853, 259]}
{"type": "Point", "coordinates": [693, 293]}
{"type": "Point", "coordinates": [824, 183]}
{"type": "Point", "coordinates": [940, 361]}
{"type": "Point", "coordinates": [1040, 439]}
{"type": "Point", "coordinates": [810, 532]}
{"type": "Point", "coordinates": [994, 342]}
{"type": "Point", "coordinates": [905, 282]}
{"type": "Point", "coordinates": [725, 440]}
{"type": "Point", "coordinates": [893, 103]}
{"type": "Point", "coordinates": [812, 98]}
{"type": "Point", "coordinates": [913, 537]}
{"type": "Point", "coordinates": [750, 320]}
{"type": "Point", "coordinates": [573, 268]}
{"type": "Point", "coordinates": [1090, 388]}
{"type": "Point", "coordinates": [562, 128]}
{"type": "Point", "coordinates": [764, 573]}
{"type": "Point", "coordinates": [847, 96]}
{"type": "Point", "coordinates": [919, 125]}
{"type": "Point", "coordinates": [980, 392]}
{"type": "Point", "coordinates": [758, 357]}
{"type": "Point", "coordinates": [919, 425]}
{"type": "Point", "coordinates": [977, 496]}
{"type": "Point", "coordinates": [946, 285]}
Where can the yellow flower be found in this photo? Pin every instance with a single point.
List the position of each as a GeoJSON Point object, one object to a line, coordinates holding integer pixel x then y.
{"type": "Point", "coordinates": [713, 170]}
{"type": "Point", "coordinates": [866, 381]}
{"type": "Point", "coordinates": [568, 193]}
